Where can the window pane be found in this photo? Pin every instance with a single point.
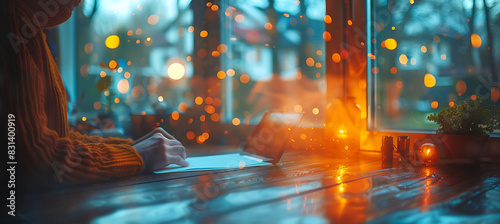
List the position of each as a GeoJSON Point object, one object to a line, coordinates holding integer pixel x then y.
{"type": "Point", "coordinates": [428, 55]}
{"type": "Point", "coordinates": [275, 58]}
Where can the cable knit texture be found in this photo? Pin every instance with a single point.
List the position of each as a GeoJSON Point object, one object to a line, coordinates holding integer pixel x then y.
{"type": "Point", "coordinates": [45, 145]}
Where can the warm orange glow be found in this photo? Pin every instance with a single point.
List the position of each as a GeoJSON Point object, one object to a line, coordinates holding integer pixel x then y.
{"type": "Point", "coordinates": [268, 26]}
{"type": "Point", "coordinates": [236, 121]}
{"type": "Point", "coordinates": [239, 18]}
{"type": "Point", "coordinates": [336, 57]}
{"type": "Point", "coordinates": [202, 118]}
{"type": "Point", "coordinates": [97, 105]}
{"type": "Point", "coordinates": [217, 102]}
{"type": "Point", "coordinates": [215, 117]}
{"type": "Point", "coordinates": [244, 78]}
{"type": "Point", "coordinates": [102, 74]}
{"type": "Point", "coordinates": [117, 100]}
{"type": "Point", "coordinates": [403, 59]}
{"type": "Point", "coordinates": [175, 115]}
{"type": "Point", "coordinates": [461, 87]}
{"type": "Point", "coordinates": [475, 40]}
{"type": "Point", "coordinates": [473, 97]}
{"type": "Point", "coordinates": [495, 94]}
{"type": "Point", "coordinates": [138, 31]}
{"type": "Point", "coordinates": [190, 135]}
{"type": "Point", "coordinates": [221, 74]}
{"type": "Point", "coordinates": [286, 14]}
{"type": "Point", "coordinates": [391, 44]}
{"type": "Point", "coordinates": [310, 62]}
{"type": "Point", "coordinates": [209, 100]}
{"type": "Point", "coordinates": [394, 70]}
{"type": "Point", "coordinates": [328, 19]}
{"type": "Point", "coordinates": [190, 28]}
{"type": "Point", "coordinates": [209, 109]}
{"type": "Point", "coordinates": [327, 36]}
{"type": "Point", "coordinates": [443, 56]}
{"type": "Point", "coordinates": [429, 80]}
{"type": "Point", "coordinates": [176, 71]}
{"type": "Point", "coordinates": [89, 47]}
{"type": "Point", "coordinates": [209, 4]}
{"type": "Point", "coordinates": [198, 100]}
{"type": "Point", "coordinates": [319, 52]}
{"type": "Point", "coordinates": [399, 84]}
{"type": "Point", "coordinates": [126, 75]}
{"type": "Point", "coordinates": [215, 54]}
{"type": "Point", "coordinates": [297, 108]}
{"type": "Point", "coordinates": [153, 19]}
{"type": "Point", "coordinates": [451, 104]}
{"type": "Point", "coordinates": [183, 107]}
{"type": "Point", "coordinates": [349, 22]}
{"type": "Point", "coordinates": [84, 118]}
{"type": "Point", "coordinates": [434, 104]}
{"type": "Point", "coordinates": [203, 33]}
{"type": "Point", "coordinates": [112, 42]}
{"type": "Point", "coordinates": [375, 70]}
{"type": "Point", "coordinates": [123, 86]}
{"type": "Point", "coordinates": [130, 33]}
{"type": "Point", "coordinates": [423, 49]}
{"type": "Point", "coordinates": [214, 8]}
{"type": "Point", "coordinates": [112, 64]}
{"type": "Point", "coordinates": [222, 48]}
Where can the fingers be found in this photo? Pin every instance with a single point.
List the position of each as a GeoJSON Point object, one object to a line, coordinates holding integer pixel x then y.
{"type": "Point", "coordinates": [151, 133]}
{"type": "Point", "coordinates": [177, 150]}
{"type": "Point", "coordinates": [176, 159]}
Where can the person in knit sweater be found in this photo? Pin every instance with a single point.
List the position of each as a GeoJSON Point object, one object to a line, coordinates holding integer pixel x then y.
{"type": "Point", "coordinates": [45, 146]}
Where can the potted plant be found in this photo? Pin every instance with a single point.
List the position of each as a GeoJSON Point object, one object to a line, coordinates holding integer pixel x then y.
{"type": "Point", "coordinates": [464, 128]}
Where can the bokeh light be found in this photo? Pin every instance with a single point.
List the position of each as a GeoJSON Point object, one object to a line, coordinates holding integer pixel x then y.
{"type": "Point", "coordinates": [176, 71]}
{"type": "Point", "coordinates": [112, 42]}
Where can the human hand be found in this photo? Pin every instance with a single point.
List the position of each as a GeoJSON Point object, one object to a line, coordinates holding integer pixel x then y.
{"type": "Point", "coordinates": [157, 152]}
{"type": "Point", "coordinates": [148, 135]}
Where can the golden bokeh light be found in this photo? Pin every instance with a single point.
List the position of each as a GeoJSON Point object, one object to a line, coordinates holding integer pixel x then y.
{"type": "Point", "coordinates": [123, 86]}
{"type": "Point", "coordinates": [434, 104]}
{"type": "Point", "coordinates": [230, 72]}
{"type": "Point", "coordinates": [198, 100]}
{"type": "Point", "coordinates": [126, 75]}
{"type": "Point", "coordinates": [328, 19]}
{"type": "Point", "coordinates": [310, 62]}
{"type": "Point", "coordinates": [117, 100]}
{"type": "Point", "coordinates": [315, 111]}
{"type": "Point", "coordinates": [221, 74]}
{"type": "Point", "coordinates": [236, 121]}
{"type": "Point", "coordinates": [214, 8]}
{"type": "Point", "coordinates": [153, 19]}
{"type": "Point", "coordinates": [176, 71]}
{"type": "Point", "coordinates": [130, 33]}
{"type": "Point", "coordinates": [403, 59]}
{"type": "Point", "coordinates": [336, 57]}
{"type": "Point", "coordinates": [102, 74]}
{"type": "Point", "coordinates": [183, 107]}
{"type": "Point", "coordinates": [203, 33]}
{"type": "Point", "coordinates": [451, 104]}
{"type": "Point", "coordinates": [268, 26]}
{"type": "Point", "coordinates": [423, 49]}
{"type": "Point", "coordinates": [429, 80]}
{"type": "Point", "coordinates": [244, 78]}
{"type": "Point", "coordinates": [222, 48]}
{"type": "Point", "coordinates": [327, 36]}
{"type": "Point", "coordinates": [391, 44]}
{"type": "Point", "coordinates": [475, 40]}
{"type": "Point", "coordinates": [239, 18]}
{"type": "Point", "coordinates": [297, 108]}
{"type": "Point", "coordinates": [112, 64]}
{"type": "Point", "coordinates": [112, 42]}
{"type": "Point", "coordinates": [443, 56]}
{"type": "Point", "coordinates": [160, 98]}
{"type": "Point", "coordinates": [175, 115]}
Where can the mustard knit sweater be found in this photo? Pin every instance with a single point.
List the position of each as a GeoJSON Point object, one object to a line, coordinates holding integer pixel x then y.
{"type": "Point", "coordinates": [45, 146]}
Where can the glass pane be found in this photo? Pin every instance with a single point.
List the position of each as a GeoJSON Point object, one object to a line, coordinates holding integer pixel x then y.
{"type": "Point", "coordinates": [431, 54]}
{"type": "Point", "coordinates": [274, 60]}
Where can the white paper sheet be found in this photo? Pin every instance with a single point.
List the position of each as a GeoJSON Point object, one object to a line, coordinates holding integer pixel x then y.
{"type": "Point", "coordinates": [215, 162]}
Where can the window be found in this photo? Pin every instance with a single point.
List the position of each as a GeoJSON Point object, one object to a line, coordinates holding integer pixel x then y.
{"type": "Point", "coordinates": [427, 55]}
{"type": "Point", "coordinates": [200, 69]}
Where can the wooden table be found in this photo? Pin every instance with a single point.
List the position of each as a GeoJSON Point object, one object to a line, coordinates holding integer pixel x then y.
{"type": "Point", "coordinates": [302, 189]}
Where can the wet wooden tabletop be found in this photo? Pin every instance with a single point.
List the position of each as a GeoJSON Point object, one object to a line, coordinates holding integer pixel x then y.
{"type": "Point", "coordinates": [301, 189]}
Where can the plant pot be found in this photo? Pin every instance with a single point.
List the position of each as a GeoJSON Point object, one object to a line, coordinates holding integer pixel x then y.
{"type": "Point", "coordinates": [464, 147]}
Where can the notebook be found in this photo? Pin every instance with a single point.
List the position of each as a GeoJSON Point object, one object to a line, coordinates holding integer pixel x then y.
{"type": "Point", "coordinates": [264, 146]}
